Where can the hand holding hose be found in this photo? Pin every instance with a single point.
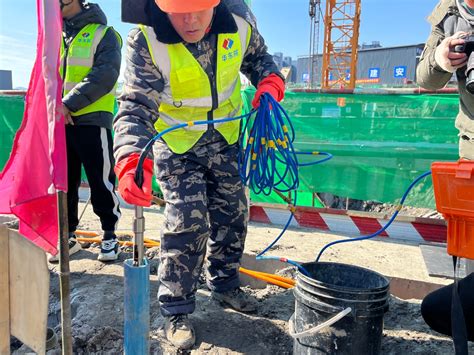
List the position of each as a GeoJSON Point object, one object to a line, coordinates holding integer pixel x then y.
{"type": "Point", "coordinates": [128, 188]}
{"type": "Point", "coordinates": [273, 85]}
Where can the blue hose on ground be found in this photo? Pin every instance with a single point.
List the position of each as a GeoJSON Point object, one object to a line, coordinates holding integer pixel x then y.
{"type": "Point", "coordinates": [422, 176]}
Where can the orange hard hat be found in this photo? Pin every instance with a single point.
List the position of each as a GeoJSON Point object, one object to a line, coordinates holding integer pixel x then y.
{"type": "Point", "coordinates": [186, 6]}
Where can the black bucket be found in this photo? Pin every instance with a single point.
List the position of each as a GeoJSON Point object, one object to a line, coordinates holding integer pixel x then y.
{"type": "Point", "coordinates": [339, 309]}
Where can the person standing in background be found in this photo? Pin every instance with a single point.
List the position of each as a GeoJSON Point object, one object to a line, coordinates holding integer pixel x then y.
{"type": "Point", "coordinates": [90, 66]}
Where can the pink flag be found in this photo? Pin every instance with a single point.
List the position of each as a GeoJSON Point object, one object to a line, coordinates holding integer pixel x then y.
{"type": "Point", "coordinates": [37, 168]}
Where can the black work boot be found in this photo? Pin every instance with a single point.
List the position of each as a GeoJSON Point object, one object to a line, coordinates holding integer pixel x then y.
{"type": "Point", "coordinates": [236, 299]}
{"type": "Point", "coordinates": [179, 331]}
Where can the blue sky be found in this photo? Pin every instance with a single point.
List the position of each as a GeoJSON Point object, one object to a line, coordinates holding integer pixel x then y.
{"type": "Point", "coordinates": [283, 23]}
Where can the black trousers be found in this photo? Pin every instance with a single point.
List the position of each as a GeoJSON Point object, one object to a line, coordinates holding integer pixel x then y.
{"type": "Point", "coordinates": [91, 147]}
{"type": "Point", "coordinates": [436, 307]}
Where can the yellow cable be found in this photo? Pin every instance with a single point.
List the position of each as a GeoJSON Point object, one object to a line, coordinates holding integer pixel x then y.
{"type": "Point", "coordinates": [121, 242]}
{"type": "Point", "coordinates": [95, 234]}
{"type": "Point", "coordinates": [268, 279]}
{"type": "Point", "coordinates": [276, 277]}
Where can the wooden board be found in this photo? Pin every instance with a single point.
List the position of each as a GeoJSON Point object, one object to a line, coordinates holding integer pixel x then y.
{"type": "Point", "coordinates": [4, 292]}
{"type": "Point", "coordinates": [29, 292]}
{"type": "Point", "coordinates": [411, 289]}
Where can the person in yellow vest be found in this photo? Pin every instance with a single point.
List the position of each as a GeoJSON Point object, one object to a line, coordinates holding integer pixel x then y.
{"type": "Point", "coordinates": [183, 65]}
{"type": "Point", "coordinates": [90, 66]}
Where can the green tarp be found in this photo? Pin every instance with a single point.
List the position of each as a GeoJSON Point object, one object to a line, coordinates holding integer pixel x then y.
{"type": "Point", "coordinates": [380, 143]}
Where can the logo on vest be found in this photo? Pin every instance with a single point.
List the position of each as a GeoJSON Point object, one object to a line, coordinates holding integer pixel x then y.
{"type": "Point", "coordinates": [227, 45]}
{"type": "Point", "coordinates": [85, 38]}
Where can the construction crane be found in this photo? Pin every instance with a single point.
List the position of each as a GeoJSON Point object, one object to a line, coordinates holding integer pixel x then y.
{"type": "Point", "coordinates": [341, 37]}
{"type": "Point", "coordinates": [315, 17]}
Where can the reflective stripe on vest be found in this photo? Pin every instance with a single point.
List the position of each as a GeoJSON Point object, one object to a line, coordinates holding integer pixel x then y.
{"type": "Point", "coordinates": [79, 62]}
{"type": "Point", "coordinates": [187, 94]}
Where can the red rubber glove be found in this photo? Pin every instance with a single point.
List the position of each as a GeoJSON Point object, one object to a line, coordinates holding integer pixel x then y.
{"type": "Point", "coordinates": [130, 192]}
{"type": "Point", "coordinates": [273, 85]}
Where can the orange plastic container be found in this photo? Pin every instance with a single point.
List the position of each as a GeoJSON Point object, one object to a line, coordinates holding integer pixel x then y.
{"type": "Point", "coordinates": [453, 185]}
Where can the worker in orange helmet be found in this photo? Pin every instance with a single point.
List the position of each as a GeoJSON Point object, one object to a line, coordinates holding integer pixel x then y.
{"type": "Point", "coordinates": [182, 65]}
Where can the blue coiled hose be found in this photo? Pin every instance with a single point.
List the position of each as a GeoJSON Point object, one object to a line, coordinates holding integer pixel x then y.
{"type": "Point", "coordinates": [269, 160]}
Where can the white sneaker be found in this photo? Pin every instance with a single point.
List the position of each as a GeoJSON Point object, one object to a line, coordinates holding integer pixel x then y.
{"type": "Point", "coordinates": [74, 247]}
{"type": "Point", "coordinates": [109, 250]}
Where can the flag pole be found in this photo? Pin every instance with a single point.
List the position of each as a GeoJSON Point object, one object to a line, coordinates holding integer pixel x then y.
{"type": "Point", "coordinates": [64, 274]}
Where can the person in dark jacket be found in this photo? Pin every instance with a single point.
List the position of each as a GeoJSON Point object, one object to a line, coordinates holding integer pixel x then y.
{"type": "Point", "coordinates": [90, 66]}
{"type": "Point", "coordinates": [183, 65]}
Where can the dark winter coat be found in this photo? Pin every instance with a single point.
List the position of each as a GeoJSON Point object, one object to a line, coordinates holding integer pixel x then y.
{"type": "Point", "coordinates": [105, 71]}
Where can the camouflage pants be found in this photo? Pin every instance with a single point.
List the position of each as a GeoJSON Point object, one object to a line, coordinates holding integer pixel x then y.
{"type": "Point", "coordinates": [206, 209]}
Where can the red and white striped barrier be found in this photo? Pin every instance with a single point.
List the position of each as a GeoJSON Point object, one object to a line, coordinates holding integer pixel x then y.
{"type": "Point", "coordinates": [352, 223]}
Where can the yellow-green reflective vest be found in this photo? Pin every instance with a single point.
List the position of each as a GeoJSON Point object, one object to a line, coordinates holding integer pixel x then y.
{"type": "Point", "coordinates": [78, 61]}
{"type": "Point", "coordinates": [187, 96]}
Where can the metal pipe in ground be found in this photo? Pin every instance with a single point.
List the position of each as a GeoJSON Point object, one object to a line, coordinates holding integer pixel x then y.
{"type": "Point", "coordinates": [137, 293]}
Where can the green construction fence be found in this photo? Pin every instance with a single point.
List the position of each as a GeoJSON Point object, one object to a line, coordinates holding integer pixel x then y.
{"type": "Point", "coordinates": [380, 142]}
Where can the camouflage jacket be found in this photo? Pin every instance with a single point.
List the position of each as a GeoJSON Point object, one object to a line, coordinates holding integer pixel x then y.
{"type": "Point", "coordinates": [140, 99]}
{"type": "Point", "coordinates": [446, 20]}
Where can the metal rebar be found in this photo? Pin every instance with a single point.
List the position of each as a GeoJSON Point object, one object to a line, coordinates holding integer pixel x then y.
{"type": "Point", "coordinates": [64, 274]}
